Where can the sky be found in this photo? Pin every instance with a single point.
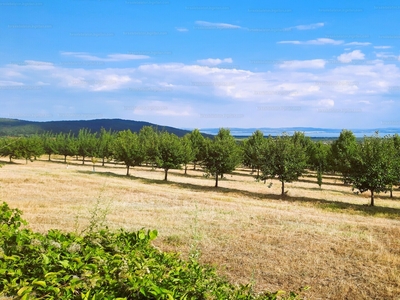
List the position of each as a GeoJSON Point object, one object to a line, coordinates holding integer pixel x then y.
{"type": "Point", "coordinates": [202, 64]}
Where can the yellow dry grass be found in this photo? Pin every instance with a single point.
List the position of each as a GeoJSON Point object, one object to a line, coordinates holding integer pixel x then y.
{"type": "Point", "coordinates": [326, 238]}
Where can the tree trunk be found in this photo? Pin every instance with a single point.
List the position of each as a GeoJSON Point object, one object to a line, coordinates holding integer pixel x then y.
{"type": "Point", "coordinates": [127, 170]}
{"type": "Point", "coordinates": [65, 158]}
{"type": "Point", "coordinates": [222, 176]}
{"type": "Point", "coordinates": [372, 198]}
{"type": "Point", "coordinates": [49, 157]}
{"type": "Point", "coordinates": [26, 161]}
{"type": "Point", "coordinates": [216, 179]}
{"type": "Point", "coordinates": [83, 160]}
{"type": "Point", "coordinates": [166, 174]}
{"type": "Point", "coordinates": [102, 163]}
{"type": "Point", "coordinates": [283, 187]}
{"type": "Point", "coordinates": [194, 166]}
{"type": "Point", "coordinates": [185, 169]}
{"type": "Point", "coordinates": [391, 192]}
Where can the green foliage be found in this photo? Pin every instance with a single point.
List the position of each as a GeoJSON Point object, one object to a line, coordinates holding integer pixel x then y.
{"type": "Point", "coordinates": [285, 158]}
{"type": "Point", "coordinates": [305, 142]}
{"type": "Point", "coordinates": [343, 151]}
{"type": "Point", "coordinates": [30, 147]}
{"type": "Point", "coordinates": [105, 150]}
{"type": "Point", "coordinates": [66, 145]}
{"type": "Point", "coordinates": [319, 178]}
{"type": "Point", "coordinates": [49, 144]}
{"type": "Point", "coordinates": [375, 166]}
{"type": "Point", "coordinates": [87, 144]}
{"type": "Point", "coordinates": [170, 152]}
{"type": "Point", "coordinates": [318, 159]}
{"type": "Point", "coordinates": [253, 151]}
{"type": "Point", "coordinates": [128, 149]}
{"type": "Point", "coordinates": [148, 138]}
{"type": "Point", "coordinates": [221, 155]}
{"type": "Point", "coordinates": [22, 147]}
{"type": "Point", "coordinates": [197, 140]}
{"type": "Point", "coordinates": [9, 148]}
{"type": "Point", "coordinates": [103, 265]}
{"type": "Point", "coordinates": [188, 152]}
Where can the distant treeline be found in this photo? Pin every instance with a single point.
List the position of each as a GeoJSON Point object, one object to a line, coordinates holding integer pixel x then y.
{"type": "Point", "coordinates": [13, 127]}
{"type": "Point", "coordinates": [370, 164]}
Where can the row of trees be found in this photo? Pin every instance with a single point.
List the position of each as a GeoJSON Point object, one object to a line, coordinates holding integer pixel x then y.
{"type": "Point", "coordinates": [157, 149]}
{"type": "Point", "coordinates": [372, 164]}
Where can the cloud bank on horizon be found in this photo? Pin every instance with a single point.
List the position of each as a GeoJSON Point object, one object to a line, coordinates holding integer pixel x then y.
{"type": "Point", "coordinates": [211, 64]}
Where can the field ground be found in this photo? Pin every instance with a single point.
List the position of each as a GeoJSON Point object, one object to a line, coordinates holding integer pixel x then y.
{"type": "Point", "coordinates": [328, 239]}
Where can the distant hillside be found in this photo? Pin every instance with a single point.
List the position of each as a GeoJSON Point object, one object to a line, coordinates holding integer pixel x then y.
{"type": "Point", "coordinates": [13, 127]}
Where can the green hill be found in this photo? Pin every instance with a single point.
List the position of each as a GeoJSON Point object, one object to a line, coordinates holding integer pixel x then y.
{"type": "Point", "coordinates": [14, 127]}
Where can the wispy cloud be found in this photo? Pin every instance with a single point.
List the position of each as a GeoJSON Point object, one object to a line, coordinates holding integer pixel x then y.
{"type": "Point", "coordinates": [214, 61]}
{"type": "Point", "coordinates": [382, 47]}
{"type": "Point", "coordinates": [387, 56]}
{"type": "Point", "coordinates": [348, 57]}
{"type": "Point", "coordinates": [358, 44]}
{"type": "Point", "coordinates": [308, 27]}
{"type": "Point", "coordinates": [181, 29]}
{"type": "Point", "coordinates": [303, 64]}
{"type": "Point", "coordinates": [211, 25]}
{"type": "Point", "coordinates": [109, 58]}
{"type": "Point", "coordinates": [320, 41]}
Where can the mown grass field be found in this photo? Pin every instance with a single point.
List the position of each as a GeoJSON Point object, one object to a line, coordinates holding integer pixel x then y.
{"type": "Point", "coordinates": [328, 239]}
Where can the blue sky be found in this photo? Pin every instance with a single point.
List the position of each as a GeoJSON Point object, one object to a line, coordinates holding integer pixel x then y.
{"type": "Point", "coordinates": [199, 64]}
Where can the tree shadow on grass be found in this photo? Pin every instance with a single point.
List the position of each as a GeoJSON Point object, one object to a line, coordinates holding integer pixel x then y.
{"type": "Point", "coordinates": [317, 189]}
{"type": "Point", "coordinates": [74, 162]}
{"type": "Point", "coordinates": [8, 162]}
{"type": "Point", "coordinates": [335, 206]}
{"type": "Point", "coordinates": [301, 179]}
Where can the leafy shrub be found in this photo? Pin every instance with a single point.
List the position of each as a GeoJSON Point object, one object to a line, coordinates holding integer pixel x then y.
{"type": "Point", "coordinates": [102, 265]}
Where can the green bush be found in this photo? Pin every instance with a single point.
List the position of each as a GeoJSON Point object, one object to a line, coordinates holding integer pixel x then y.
{"type": "Point", "coordinates": [103, 265]}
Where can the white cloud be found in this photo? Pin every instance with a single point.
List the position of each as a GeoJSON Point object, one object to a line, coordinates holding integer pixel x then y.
{"type": "Point", "coordinates": [295, 90]}
{"type": "Point", "coordinates": [214, 61]}
{"type": "Point", "coordinates": [326, 103]}
{"type": "Point", "coordinates": [122, 57]}
{"type": "Point", "coordinates": [348, 57]}
{"type": "Point", "coordinates": [303, 64]}
{"type": "Point", "coordinates": [181, 29]}
{"type": "Point", "coordinates": [308, 27]}
{"type": "Point", "coordinates": [387, 56]}
{"type": "Point", "coordinates": [382, 47]}
{"type": "Point", "coordinates": [34, 65]}
{"type": "Point", "coordinates": [10, 83]}
{"type": "Point", "coordinates": [110, 57]}
{"type": "Point", "coordinates": [358, 44]}
{"type": "Point", "coordinates": [366, 102]}
{"type": "Point", "coordinates": [159, 108]}
{"type": "Point", "coordinates": [217, 25]}
{"type": "Point", "coordinates": [320, 41]}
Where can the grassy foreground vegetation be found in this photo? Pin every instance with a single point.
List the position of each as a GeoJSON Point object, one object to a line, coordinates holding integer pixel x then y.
{"type": "Point", "coordinates": [102, 265]}
{"type": "Point", "coordinates": [328, 239]}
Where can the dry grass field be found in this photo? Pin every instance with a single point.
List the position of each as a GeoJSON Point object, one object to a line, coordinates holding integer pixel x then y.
{"type": "Point", "coordinates": [328, 238]}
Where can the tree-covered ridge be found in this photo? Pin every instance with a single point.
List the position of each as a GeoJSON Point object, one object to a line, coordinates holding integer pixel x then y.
{"type": "Point", "coordinates": [13, 127]}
